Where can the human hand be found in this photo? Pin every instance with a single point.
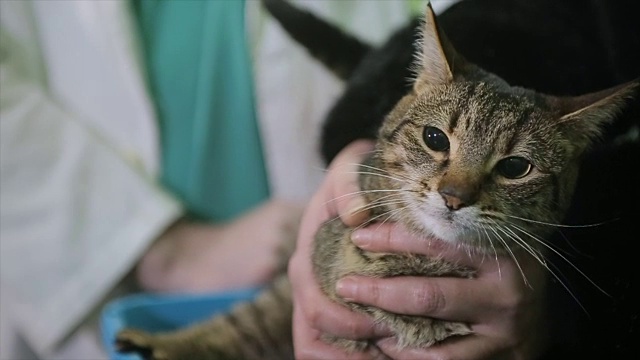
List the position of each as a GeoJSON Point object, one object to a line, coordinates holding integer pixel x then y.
{"type": "Point", "coordinates": [504, 310]}
{"type": "Point", "coordinates": [195, 257]}
{"type": "Point", "coordinates": [314, 313]}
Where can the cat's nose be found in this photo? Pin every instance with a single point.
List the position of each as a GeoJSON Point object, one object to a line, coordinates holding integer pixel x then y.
{"type": "Point", "coordinates": [457, 197]}
{"type": "Point", "coordinates": [452, 202]}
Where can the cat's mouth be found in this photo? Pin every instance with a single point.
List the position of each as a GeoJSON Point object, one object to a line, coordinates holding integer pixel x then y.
{"type": "Point", "coordinates": [456, 227]}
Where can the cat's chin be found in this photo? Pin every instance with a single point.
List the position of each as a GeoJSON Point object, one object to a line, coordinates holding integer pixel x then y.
{"type": "Point", "coordinates": [447, 229]}
{"type": "Point", "coordinates": [450, 228]}
{"type": "Point", "coordinates": [436, 220]}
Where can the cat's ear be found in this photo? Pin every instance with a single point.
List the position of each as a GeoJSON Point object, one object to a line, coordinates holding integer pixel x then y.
{"type": "Point", "coordinates": [438, 62]}
{"type": "Point", "coordinates": [584, 116]}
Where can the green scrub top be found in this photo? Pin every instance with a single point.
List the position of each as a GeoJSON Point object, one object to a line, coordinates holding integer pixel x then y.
{"type": "Point", "coordinates": [199, 72]}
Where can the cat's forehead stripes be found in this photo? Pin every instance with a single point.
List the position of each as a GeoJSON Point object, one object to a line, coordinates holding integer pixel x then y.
{"type": "Point", "coordinates": [455, 115]}
{"type": "Point", "coordinates": [391, 136]}
{"type": "Point", "coordinates": [490, 119]}
{"type": "Point", "coordinates": [523, 117]}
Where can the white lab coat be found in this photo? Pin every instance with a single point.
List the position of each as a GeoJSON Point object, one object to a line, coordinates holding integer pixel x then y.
{"type": "Point", "coordinates": [79, 154]}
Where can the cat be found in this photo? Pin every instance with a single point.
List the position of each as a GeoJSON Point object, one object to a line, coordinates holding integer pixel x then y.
{"type": "Point", "coordinates": [463, 156]}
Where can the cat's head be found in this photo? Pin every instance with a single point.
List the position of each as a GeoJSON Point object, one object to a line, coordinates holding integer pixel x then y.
{"type": "Point", "coordinates": [480, 161]}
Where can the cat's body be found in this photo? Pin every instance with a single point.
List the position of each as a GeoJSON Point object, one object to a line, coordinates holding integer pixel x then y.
{"type": "Point", "coordinates": [460, 155]}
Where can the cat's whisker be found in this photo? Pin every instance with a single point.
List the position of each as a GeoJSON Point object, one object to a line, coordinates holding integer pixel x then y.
{"type": "Point", "coordinates": [366, 207]}
{"type": "Point", "coordinates": [387, 201]}
{"type": "Point", "coordinates": [537, 255]}
{"type": "Point", "coordinates": [370, 167]}
{"type": "Point", "coordinates": [479, 237]}
{"type": "Point", "coordinates": [361, 192]}
{"type": "Point", "coordinates": [383, 202]}
{"type": "Point", "coordinates": [573, 247]}
{"type": "Point", "coordinates": [513, 256]}
{"type": "Point", "coordinates": [374, 218]}
{"type": "Point", "coordinates": [360, 172]}
{"type": "Point", "coordinates": [551, 248]}
{"type": "Point", "coordinates": [556, 225]}
{"type": "Point", "coordinates": [389, 215]}
{"type": "Point", "coordinates": [495, 252]}
{"type": "Point", "coordinates": [530, 235]}
{"type": "Point", "coordinates": [382, 205]}
{"type": "Point", "coordinates": [384, 171]}
{"type": "Point", "coordinates": [566, 287]}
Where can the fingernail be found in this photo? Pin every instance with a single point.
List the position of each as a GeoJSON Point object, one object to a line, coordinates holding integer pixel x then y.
{"type": "Point", "coordinates": [347, 288]}
{"type": "Point", "coordinates": [362, 238]}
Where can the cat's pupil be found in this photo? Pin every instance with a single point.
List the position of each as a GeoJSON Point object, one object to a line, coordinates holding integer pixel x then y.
{"type": "Point", "coordinates": [514, 167]}
{"type": "Point", "coordinates": [435, 139]}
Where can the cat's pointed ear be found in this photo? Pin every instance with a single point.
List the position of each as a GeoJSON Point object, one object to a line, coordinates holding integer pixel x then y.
{"type": "Point", "coordinates": [438, 61]}
{"type": "Point", "coordinates": [584, 116]}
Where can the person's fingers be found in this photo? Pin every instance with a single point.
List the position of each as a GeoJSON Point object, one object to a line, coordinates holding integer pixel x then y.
{"type": "Point", "coordinates": [460, 299]}
{"type": "Point", "coordinates": [319, 316]}
{"type": "Point", "coordinates": [444, 298]}
{"type": "Point", "coordinates": [344, 195]}
{"type": "Point", "coordinates": [345, 324]}
{"type": "Point", "coordinates": [314, 312]}
{"type": "Point", "coordinates": [391, 237]}
{"type": "Point", "coordinates": [394, 238]}
{"type": "Point", "coordinates": [465, 347]}
{"type": "Point", "coordinates": [309, 345]}
{"type": "Point", "coordinates": [327, 316]}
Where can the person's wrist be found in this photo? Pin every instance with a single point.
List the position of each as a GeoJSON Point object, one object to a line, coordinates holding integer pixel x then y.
{"type": "Point", "coordinates": [161, 267]}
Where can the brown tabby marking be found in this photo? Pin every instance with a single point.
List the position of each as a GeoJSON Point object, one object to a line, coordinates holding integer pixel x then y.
{"type": "Point", "coordinates": [464, 157]}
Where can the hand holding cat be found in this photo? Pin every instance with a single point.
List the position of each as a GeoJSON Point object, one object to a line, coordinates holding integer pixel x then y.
{"type": "Point", "coordinates": [314, 313]}
{"type": "Point", "coordinates": [502, 310]}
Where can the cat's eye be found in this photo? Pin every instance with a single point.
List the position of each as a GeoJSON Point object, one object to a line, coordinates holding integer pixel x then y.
{"type": "Point", "coordinates": [514, 167]}
{"type": "Point", "coordinates": [435, 139]}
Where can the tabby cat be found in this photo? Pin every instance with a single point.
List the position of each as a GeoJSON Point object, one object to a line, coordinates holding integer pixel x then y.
{"type": "Point", "coordinates": [463, 156]}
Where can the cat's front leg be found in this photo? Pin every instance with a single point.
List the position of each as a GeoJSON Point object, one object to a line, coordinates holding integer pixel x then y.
{"type": "Point", "coordinates": [353, 346]}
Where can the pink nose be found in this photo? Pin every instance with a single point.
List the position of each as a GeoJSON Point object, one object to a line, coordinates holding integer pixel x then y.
{"type": "Point", "coordinates": [452, 202]}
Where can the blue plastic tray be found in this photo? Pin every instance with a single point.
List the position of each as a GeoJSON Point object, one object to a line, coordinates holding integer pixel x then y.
{"type": "Point", "coordinates": [163, 313]}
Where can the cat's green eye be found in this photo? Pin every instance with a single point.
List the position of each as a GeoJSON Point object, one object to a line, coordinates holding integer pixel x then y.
{"type": "Point", "coordinates": [435, 139]}
{"type": "Point", "coordinates": [514, 167]}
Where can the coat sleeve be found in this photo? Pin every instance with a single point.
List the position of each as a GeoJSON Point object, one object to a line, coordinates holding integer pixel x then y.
{"type": "Point", "coordinates": [76, 212]}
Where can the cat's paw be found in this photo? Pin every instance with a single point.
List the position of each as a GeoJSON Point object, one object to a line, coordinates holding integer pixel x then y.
{"type": "Point", "coordinates": [413, 331]}
{"type": "Point", "coordinates": [141, 343]}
